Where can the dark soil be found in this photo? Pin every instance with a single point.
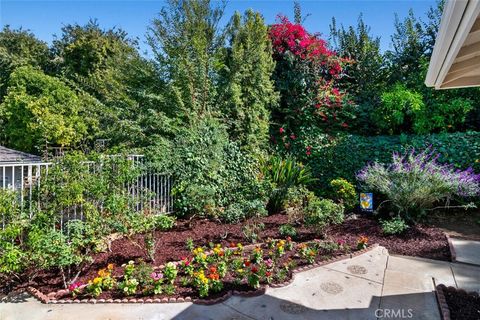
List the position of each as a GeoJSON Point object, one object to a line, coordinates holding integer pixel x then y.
{"type": "Point", "coordinates": [422, 241]}
{"type": "Point", "coordinates": [462, 305]}
{"type": "Point", "coordinates": [458, 223]}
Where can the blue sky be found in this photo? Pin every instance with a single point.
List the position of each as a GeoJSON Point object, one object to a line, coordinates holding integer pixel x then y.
{"type": "Point", "coordinates": [45, 18]}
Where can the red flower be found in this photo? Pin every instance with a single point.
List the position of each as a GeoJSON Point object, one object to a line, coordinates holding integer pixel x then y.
{"type": "Point", "coordinates": [282, 130]}
{"type": "Point", "coordinates": [254, 269]}
{"type": "Point", "coordinates": [268, 274]}
{"type": "Point", "coordinates": [213, 269]}
{"type": "Point", "coordinates": [247, 263]}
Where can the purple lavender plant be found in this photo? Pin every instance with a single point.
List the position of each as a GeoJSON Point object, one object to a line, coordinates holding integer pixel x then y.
{"type": "Point", "coordinates": [415, 182]}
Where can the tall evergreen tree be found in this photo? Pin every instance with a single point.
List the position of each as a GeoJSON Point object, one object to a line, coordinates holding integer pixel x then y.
{"type": "Point", "coordinates": [186, 40]}
{"type": "Point", "coordinates": [246, 86]}
{"type": "Point", "coordinates": [364, 76]}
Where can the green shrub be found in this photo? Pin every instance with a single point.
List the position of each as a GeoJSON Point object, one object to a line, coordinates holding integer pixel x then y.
{"type": "Point", "coordinates": [398, 109]}
{"type": "Point", "coordinates": [344, 192]}
{"type": "Point", "coordinates": [414, 183]}
{"type": "Point", "coordinates": [164, 222]}
{"type": "Point", "coordinates": [284, 174]}
{"type": "Point", "coordinates": [210, 172]}
{"type": "Point", "coordinates": [320, 213]}
{"type": "Point", "coordinates": [344, 155]}
{"type": "Point", "coordinates": [287, 230]}
{"type": "Point", "coordinates": [242, 210]}
{"type": "Point", "coordinates": [394, 226]}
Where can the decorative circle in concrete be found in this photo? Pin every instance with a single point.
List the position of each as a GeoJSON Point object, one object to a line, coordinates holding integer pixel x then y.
{"type": "Point", "coordinates": [356, 269]}
{"type": "Point", "coordinates": [292, 308]}
{"type": "Point", "coordinates": [331, 287]}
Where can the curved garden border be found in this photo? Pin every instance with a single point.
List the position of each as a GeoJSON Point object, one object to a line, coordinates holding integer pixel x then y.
{"type": "Point", "coordinates": [442, 301]}
{"type": "Point", "coordinates": [51, 298]}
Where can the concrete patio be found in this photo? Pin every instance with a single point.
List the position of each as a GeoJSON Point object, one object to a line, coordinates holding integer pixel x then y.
{"type": "Point", "coordinates": [365, 287]}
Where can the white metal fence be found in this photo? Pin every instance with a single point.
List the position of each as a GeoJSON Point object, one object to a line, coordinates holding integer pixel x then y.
{"type": "Point", "coordinates": [149, 191]}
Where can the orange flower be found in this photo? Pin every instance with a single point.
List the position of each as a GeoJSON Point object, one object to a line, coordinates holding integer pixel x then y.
{"type": "Point", "coordinates": [110, 266]}
{"type": "Point", "coordinates": [363, 239]}
{"type": "Point", "coordinates": [214, 276]}
{"type": "Point", "coordinates": [213, 269]}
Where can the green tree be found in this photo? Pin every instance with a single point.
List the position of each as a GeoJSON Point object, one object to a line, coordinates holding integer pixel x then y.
{"type": "Point", "coordinates": [186, 40]}
{"type": "Point", "coordinates": [40, 109]}
{"type": "Point", "coordinates": [247, 90]}
{"type": "Point", "coordinates": [408, 52]}
{"type": "Point", "coordinates": [107, 65]}
{"type": "Point", "coordinates": [364, 77]}
{"type": "Point", "coordinates": [19, 47]}
{"type": "Point", "coordinates": [398, 109]}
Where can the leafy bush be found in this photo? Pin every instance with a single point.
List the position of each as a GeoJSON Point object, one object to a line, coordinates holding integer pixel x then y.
{"type": "Point", "coordinates": [394, 226]}
{"type": "Point", "coordinates": [344, 155]}
{"type": "Point", "coordinates": [320, 213]}
{"type": "Point", "coordinates": [287, 230]}
{"type": "Point", "coordinates": [344, 192]}
{"type": "Point", "coordinates": [414, 183]}
{"type": "Point", "coordinates": [164, 222]}
{"type": "Point", "coordinates": [239, 211]}
{"type": "Point", "coordinates": [210, 172]}
{"type": "Point", "coordinates": [284, 174]}
{"type": "Point", "coordinates": [398, 109]}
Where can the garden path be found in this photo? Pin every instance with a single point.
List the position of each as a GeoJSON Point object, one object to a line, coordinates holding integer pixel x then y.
{"type": "Point", "coordinates": [466, 251]}
{"type": "Point", "coordinates": [373, 285]}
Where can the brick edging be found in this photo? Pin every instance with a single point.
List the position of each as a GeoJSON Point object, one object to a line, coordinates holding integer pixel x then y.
{"type": "Point", "coordinates": [51, 297]}
{"type": "Point", "coordinates": [442, 301]}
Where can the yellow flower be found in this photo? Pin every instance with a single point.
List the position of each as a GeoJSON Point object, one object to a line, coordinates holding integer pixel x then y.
{"type": "Point", "coordinates": [97, 280]}
{"type": "Point", "coordinates": [197, 251]}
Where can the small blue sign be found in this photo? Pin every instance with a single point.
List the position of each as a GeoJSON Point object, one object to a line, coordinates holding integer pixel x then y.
{"type": "Point", "coordinates": [366, 201]}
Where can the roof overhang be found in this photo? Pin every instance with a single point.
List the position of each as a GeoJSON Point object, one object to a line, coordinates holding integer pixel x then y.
{"type": "Point", "coordinates": [455, 61]}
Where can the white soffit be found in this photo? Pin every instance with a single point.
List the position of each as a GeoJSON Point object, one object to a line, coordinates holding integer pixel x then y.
{"type": "Point", "coordinates": [455, 61]}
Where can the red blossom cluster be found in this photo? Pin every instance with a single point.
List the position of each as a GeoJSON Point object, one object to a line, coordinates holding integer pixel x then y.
{"type": "Point", "coordinates": [294, 38]}
{"type": "Point", "coordinates": [287, 36]}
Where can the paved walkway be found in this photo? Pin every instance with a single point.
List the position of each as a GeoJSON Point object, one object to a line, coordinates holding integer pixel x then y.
{"type": "Point", "coordinates": [466, 251]}
{"type": "Point", "coordinates": [375, 285]}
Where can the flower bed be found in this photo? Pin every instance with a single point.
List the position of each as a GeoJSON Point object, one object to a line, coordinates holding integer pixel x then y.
{"type": "Point", "coordinates": [206, 275]}
{"type": "Point", "coordinates": [422, 241]}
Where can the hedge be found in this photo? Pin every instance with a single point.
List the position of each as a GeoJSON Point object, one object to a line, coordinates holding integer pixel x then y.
{"type": "Point", "coordinates": [344, 155]}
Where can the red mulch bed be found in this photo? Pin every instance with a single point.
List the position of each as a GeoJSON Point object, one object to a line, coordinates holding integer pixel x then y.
{"type": "Point", "coordinates": [422, 241]}
{"type": "Point", "coordinates": [462, 305]}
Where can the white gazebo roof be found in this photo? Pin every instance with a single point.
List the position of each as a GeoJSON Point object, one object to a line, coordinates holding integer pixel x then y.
{"type": "Point", "coordinates": [13, 156]}
{"type": "Point", "coordinates": [455, 61]}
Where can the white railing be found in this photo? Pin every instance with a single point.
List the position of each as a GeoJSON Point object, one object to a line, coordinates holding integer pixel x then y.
{"type": "Point", "coordinates": [150, 190]}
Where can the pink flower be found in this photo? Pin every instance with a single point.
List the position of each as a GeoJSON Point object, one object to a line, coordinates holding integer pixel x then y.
{"type": "Point", "coordinates": [156, 276]}
{"type": "Point", "coordinates": [293, 137]}
{"type": "Point", "coordinates": [269, 263]}
{"type": "Point", "coordinates": [282, 130]}
{"type": "Point", "coordinates": [74, 286]}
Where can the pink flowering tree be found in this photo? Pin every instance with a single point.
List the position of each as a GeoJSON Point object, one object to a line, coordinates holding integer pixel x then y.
{"type": "Point", "coordinates": [306, 76]}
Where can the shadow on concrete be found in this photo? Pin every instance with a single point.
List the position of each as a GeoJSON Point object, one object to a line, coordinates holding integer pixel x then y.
{"type": "Point", "coordinates": [15, 298]}
{"type": "Point", "coordinates": [404, 306]}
